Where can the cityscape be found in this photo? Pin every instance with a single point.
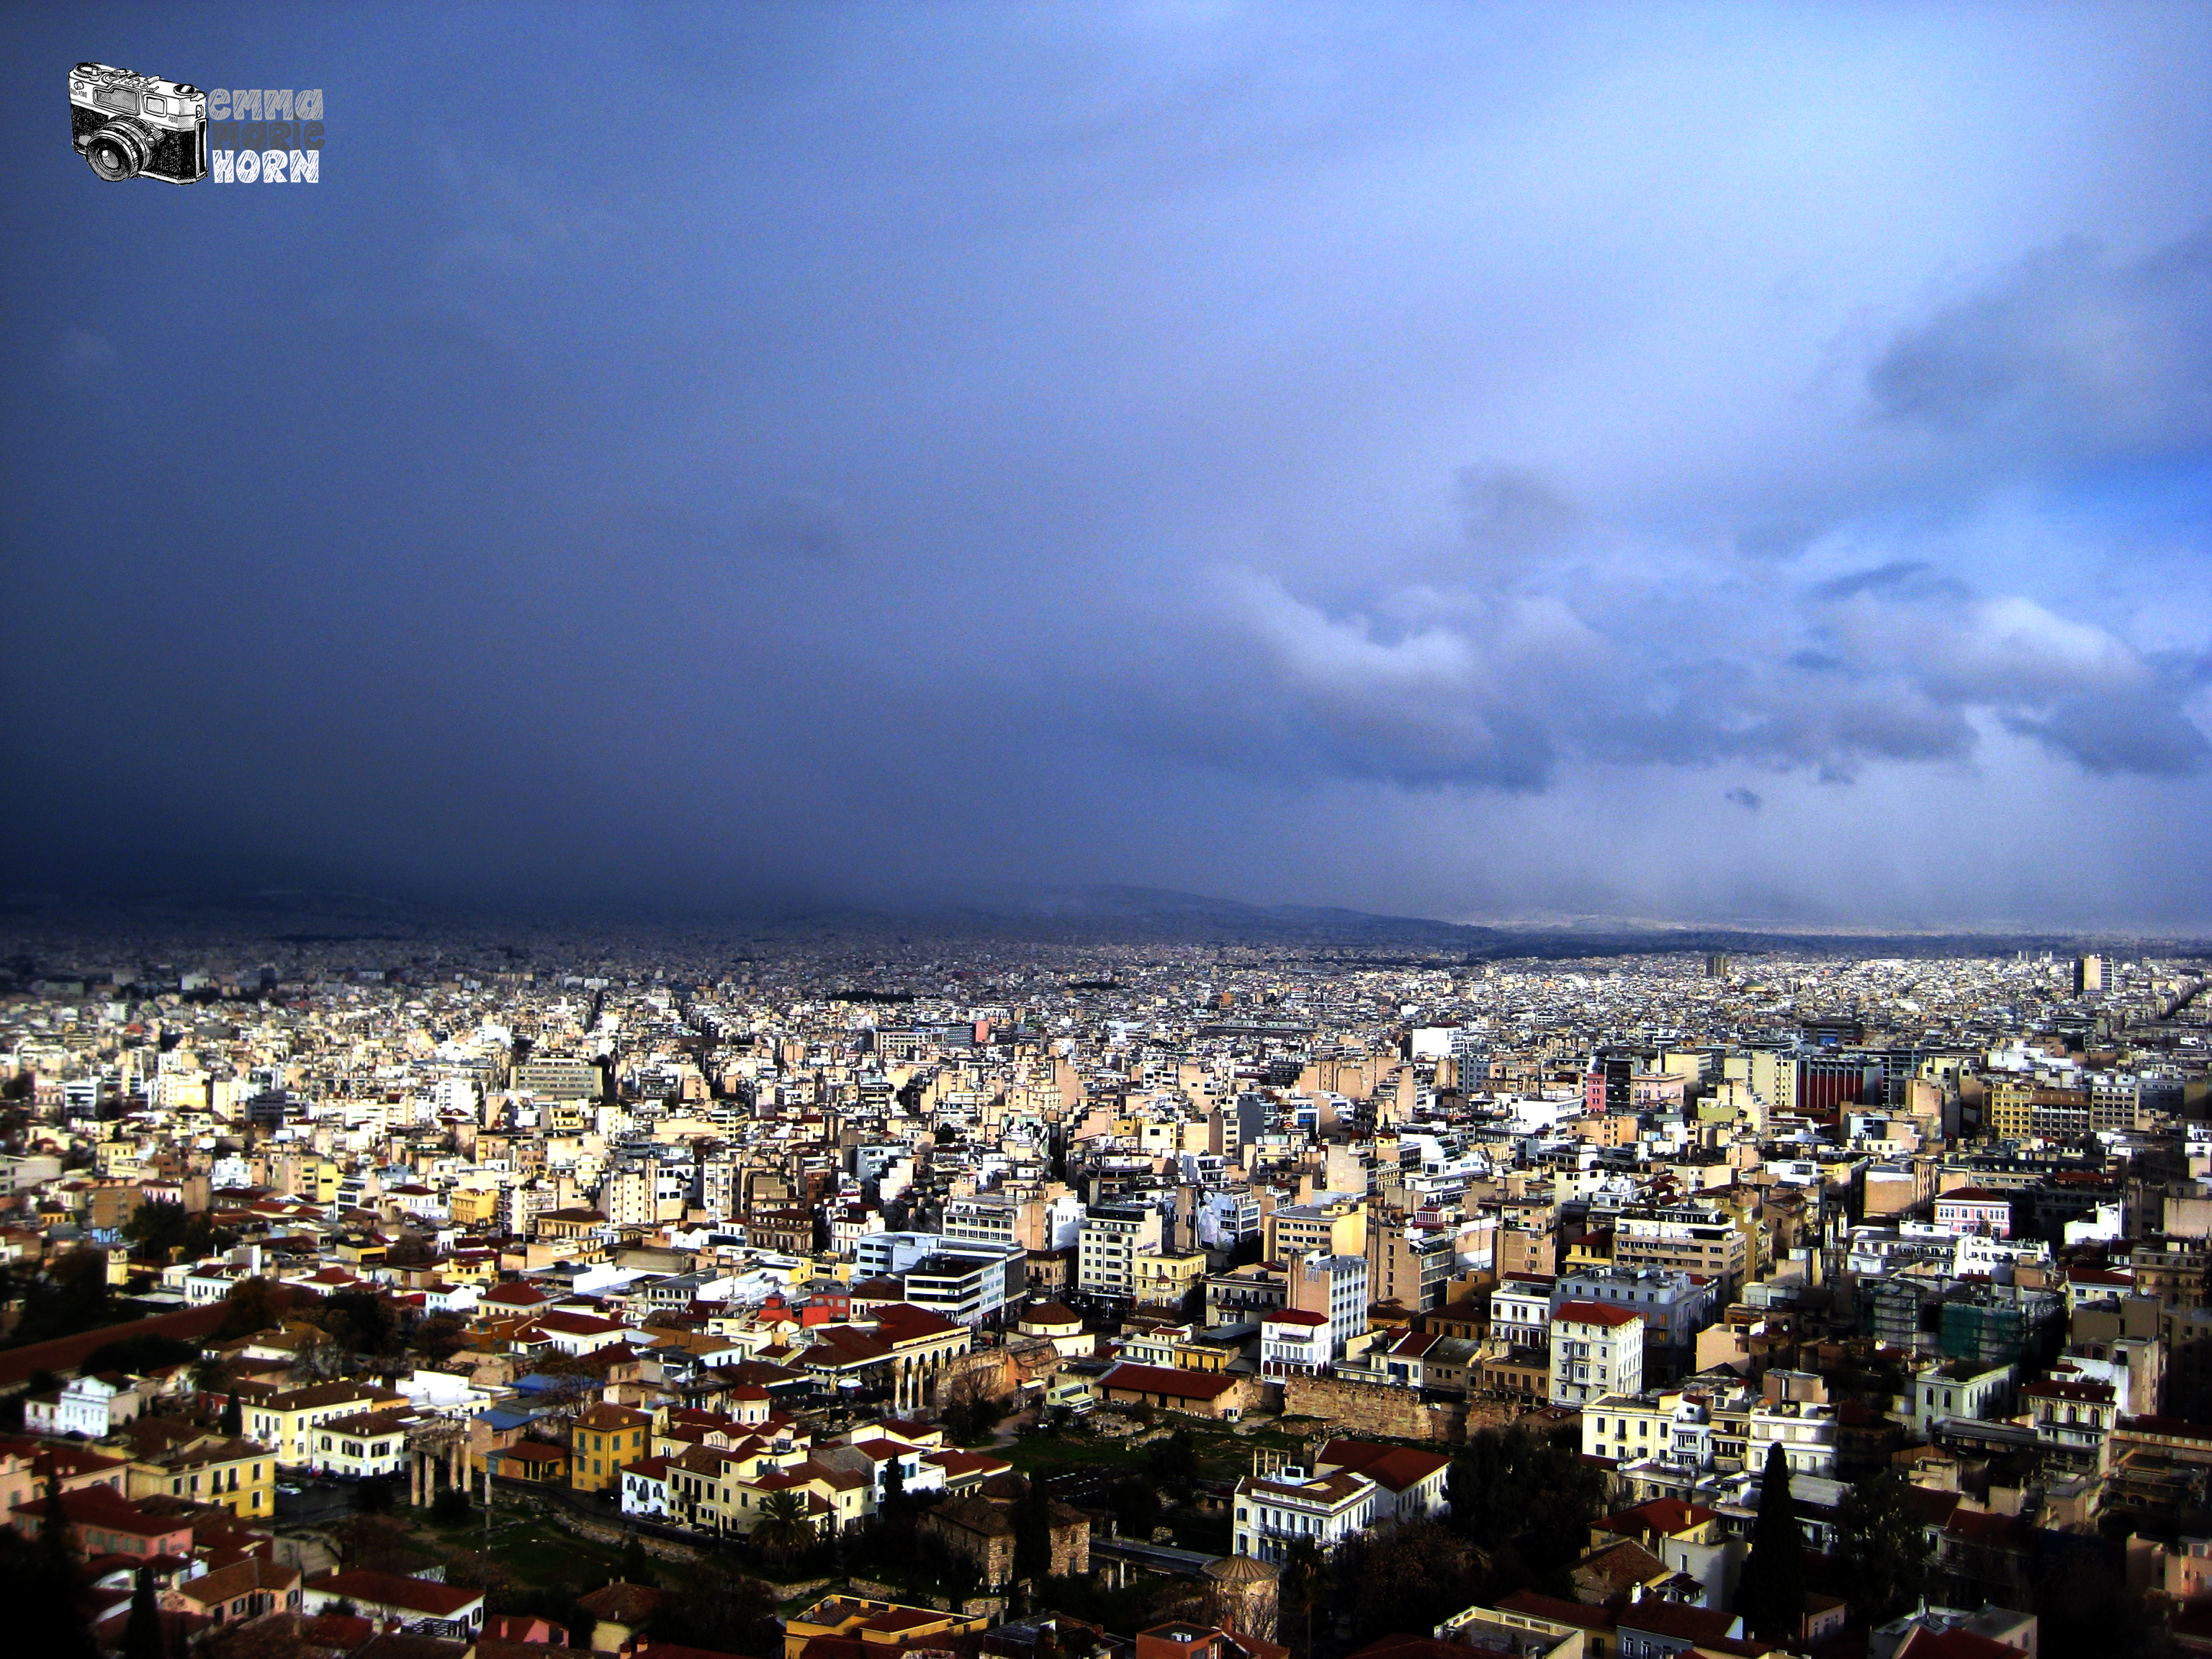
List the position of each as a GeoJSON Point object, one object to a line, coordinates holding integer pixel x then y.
{"type": "Point", "coordinates": [1128, 830]}
{"type": "Point", "coordinates": [984, 1287]}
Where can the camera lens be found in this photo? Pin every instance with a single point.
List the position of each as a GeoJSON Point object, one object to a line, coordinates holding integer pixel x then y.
{"type": "Point", "coordinates": [120, 150]}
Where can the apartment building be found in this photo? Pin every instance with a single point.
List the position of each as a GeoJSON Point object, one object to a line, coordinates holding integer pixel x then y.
{"type": "Point", "coordinates": [1597, 1349]}
{"type": "Point", "coordinates": [1335, 1286]}
{"type": "Point", "coordinates": [1111, 1238]}
{"type": "Point", "coordinates": [1685, 1238]}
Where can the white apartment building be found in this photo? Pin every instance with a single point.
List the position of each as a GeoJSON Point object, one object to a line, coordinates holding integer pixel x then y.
{"type": "Point", "coordinates": [1272, 1514]}
{"type": "Point", "coordinates": [969, 1283]}
{"type": "Point", "coordinates": [1596, 1350]}
{"type": "Point", "coordinates": [84, 1405]}
{"type": "Point", "coordinates": [1700, 1430]}
{"type": "Point", "coordinates": [1295, 1343]}
{"type": "Point", "coordinates": [1336, 1286]}
{"type": "Point", "coordinates": [1805, 1431]}
{"type": "Point", "coordinates": [1521, 1310]}
{"type": "Point", "coordinates": [356, 1447]}
{"type": "Point", "coordinates": [1674, 1305]}
{"type": "Point", "coordinates": [1110, 1239]}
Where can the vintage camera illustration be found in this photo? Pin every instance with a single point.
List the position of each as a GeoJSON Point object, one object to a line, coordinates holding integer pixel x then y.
{"type": "Point", "coordinates": [130, 125]}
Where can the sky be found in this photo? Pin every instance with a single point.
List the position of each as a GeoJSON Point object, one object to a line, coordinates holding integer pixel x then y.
{"type": "Point", "coordinates": [1746, 463]}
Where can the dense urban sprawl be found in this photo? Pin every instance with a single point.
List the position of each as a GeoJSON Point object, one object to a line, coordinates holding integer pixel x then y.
{"type": "Point", "coordinates": [859, 1298]}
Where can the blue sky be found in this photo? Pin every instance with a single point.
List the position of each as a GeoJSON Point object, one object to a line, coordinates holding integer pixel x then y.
{"type": "Point", "coordinates": [1733, 462]}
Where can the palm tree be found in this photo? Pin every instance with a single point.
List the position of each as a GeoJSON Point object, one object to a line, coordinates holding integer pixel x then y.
{"type": "Point", "coordinates": [783, 1525]}
{"type": "Point", "coordinates": [1305, 1581]}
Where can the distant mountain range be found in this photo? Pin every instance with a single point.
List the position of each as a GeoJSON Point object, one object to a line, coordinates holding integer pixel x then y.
{"type": "Point", "coordinates": [1105, 914]}
{"type": "Point", "coordinates": [1076, 915]}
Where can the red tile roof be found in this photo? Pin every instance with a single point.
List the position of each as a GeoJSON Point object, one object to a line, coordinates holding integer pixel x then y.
{"type": "Point", "coordinates": [1161, 1379]}
{"type": "Point", "coordinates": [1596, 1313]}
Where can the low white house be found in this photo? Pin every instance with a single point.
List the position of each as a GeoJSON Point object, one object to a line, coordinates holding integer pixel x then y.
{"type": "Point", "coordinates": [364, 1444]}
{"type": "Point", "coordinates": [1295, 1342]}
{"type": "Point", "coordinates": [94, 1407]}
{"type": "Point", "coordinates": [577, 1333]}
{"type": "Point", "coordinates": [645, 1487]}
{"type": "Point", "coordinates": [446, 1395]}
{"type": "Point", "coordinates": [452, 1299]}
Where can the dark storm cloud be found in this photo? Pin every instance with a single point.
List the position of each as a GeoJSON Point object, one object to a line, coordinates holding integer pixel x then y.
{"type": "Point", "coordinates": [2138, 733]}
{"type": "Point", "coordinates": [2072, 347]}
{"type": "Point", "coordinates": [1513, 509]}
{"type": "Point", "coordinates": [1337, 455]}
{"type": "Point", "coordinates": [1912, 576]}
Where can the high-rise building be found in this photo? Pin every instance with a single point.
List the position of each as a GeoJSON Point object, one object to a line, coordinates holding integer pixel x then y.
{"type": "Point", "coordinates": [2088, 976]}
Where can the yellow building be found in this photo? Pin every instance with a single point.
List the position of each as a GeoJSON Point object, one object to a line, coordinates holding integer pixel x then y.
{"type": "Point", "coordinates": [1165, 1281]}
{"type": "Point", "coordinates": [1331, 1223]}
{"type": "Point", "coordinates": [601, 1440]}
{"type": "Point", "coordinates": [284, 1419]}
{"type": "Point", "coordinates": [473, 1206]}
{"type": "Point", "coordinates": [207, 1469]}
{"type": "Point", "coordinates": [890, 1626]}
{"type": "Point", "coordinates": [2008, 1107]}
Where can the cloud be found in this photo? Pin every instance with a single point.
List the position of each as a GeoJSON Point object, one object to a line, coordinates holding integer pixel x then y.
{"type": "Point", "coordinates": [1890, 663]}
{"type": "Point", "coordinates": [1747, 800]}
{"type": "Point", "coordinates": [1913, 578]}
{"type": "Point", "coordinates": [1586, 404]}
{"type": "Point", "coordinates": [1514, 510]}
{"type": "Point", "coordinates": [2069, 347]}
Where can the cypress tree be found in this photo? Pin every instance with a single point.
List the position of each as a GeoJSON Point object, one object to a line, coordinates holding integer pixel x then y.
{"type": "Point", "coordinates": [55, 1554]}
{"type": "Point", "coordinates": [1771, 1598]}
{"type": "Point", "coordinates": [142, 1636]}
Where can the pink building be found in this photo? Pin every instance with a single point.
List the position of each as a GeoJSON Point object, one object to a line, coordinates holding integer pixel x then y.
{"type": "Point", "coordinates": [1974, 1209]}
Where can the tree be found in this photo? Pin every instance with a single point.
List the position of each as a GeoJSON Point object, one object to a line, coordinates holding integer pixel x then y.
{"type": "Point", "coordinates": [72, 1295]}
{"type": "Point", "coordinates": [1305, 1579]}
{"type": "Point", "coordinates": [439, 1337]}
{"type": "Point", "coordinates": [54, 1535]}
{"type": "Point", "coordinates": [1032, 1520]}
{"type": "Point", "coordinates": [157, 1227]}
{"type": "Point", "coordinates": [1409, 1575]}
{"type": "Point", "coordinates": [1772, 1596]}
{"type": "Point", "coordinates": [1136, 1508]}
{"type": "Point", "coordinates": [894, 1486]}
{"type": "Point", "coordinates": [141, 1635]}
{"type": "Point", "coordinates": [139, 1355]}
{"type": "Point", "coordinates": [783, 1526]}
{"type": "Point", "coordinates": [1884, 1550]}
{"type": "Point", "coordinates": [968, 1410]}
{"type": "Point", "coordinates": [1526, 1504]}
{"type": "Point", "coordinates": [319, 1356]}
{"type": "Point", "coordinates": [247, 1308]}
{"type": "Point", "coordinates": [233, 1416]}
{"type": "Point", "coordinates": [451, 1507]}
{"type": "Point", "coordinates": [1173, 1462]}
{"type": "Point", "coordinates": [40, 1587]}
{"type": "Point", "coordinates": [364, 1321]}
{"type": "Point", "coordinates": [720, 1609]}
{"type": "Point", "coordinates": [637, 1566]}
